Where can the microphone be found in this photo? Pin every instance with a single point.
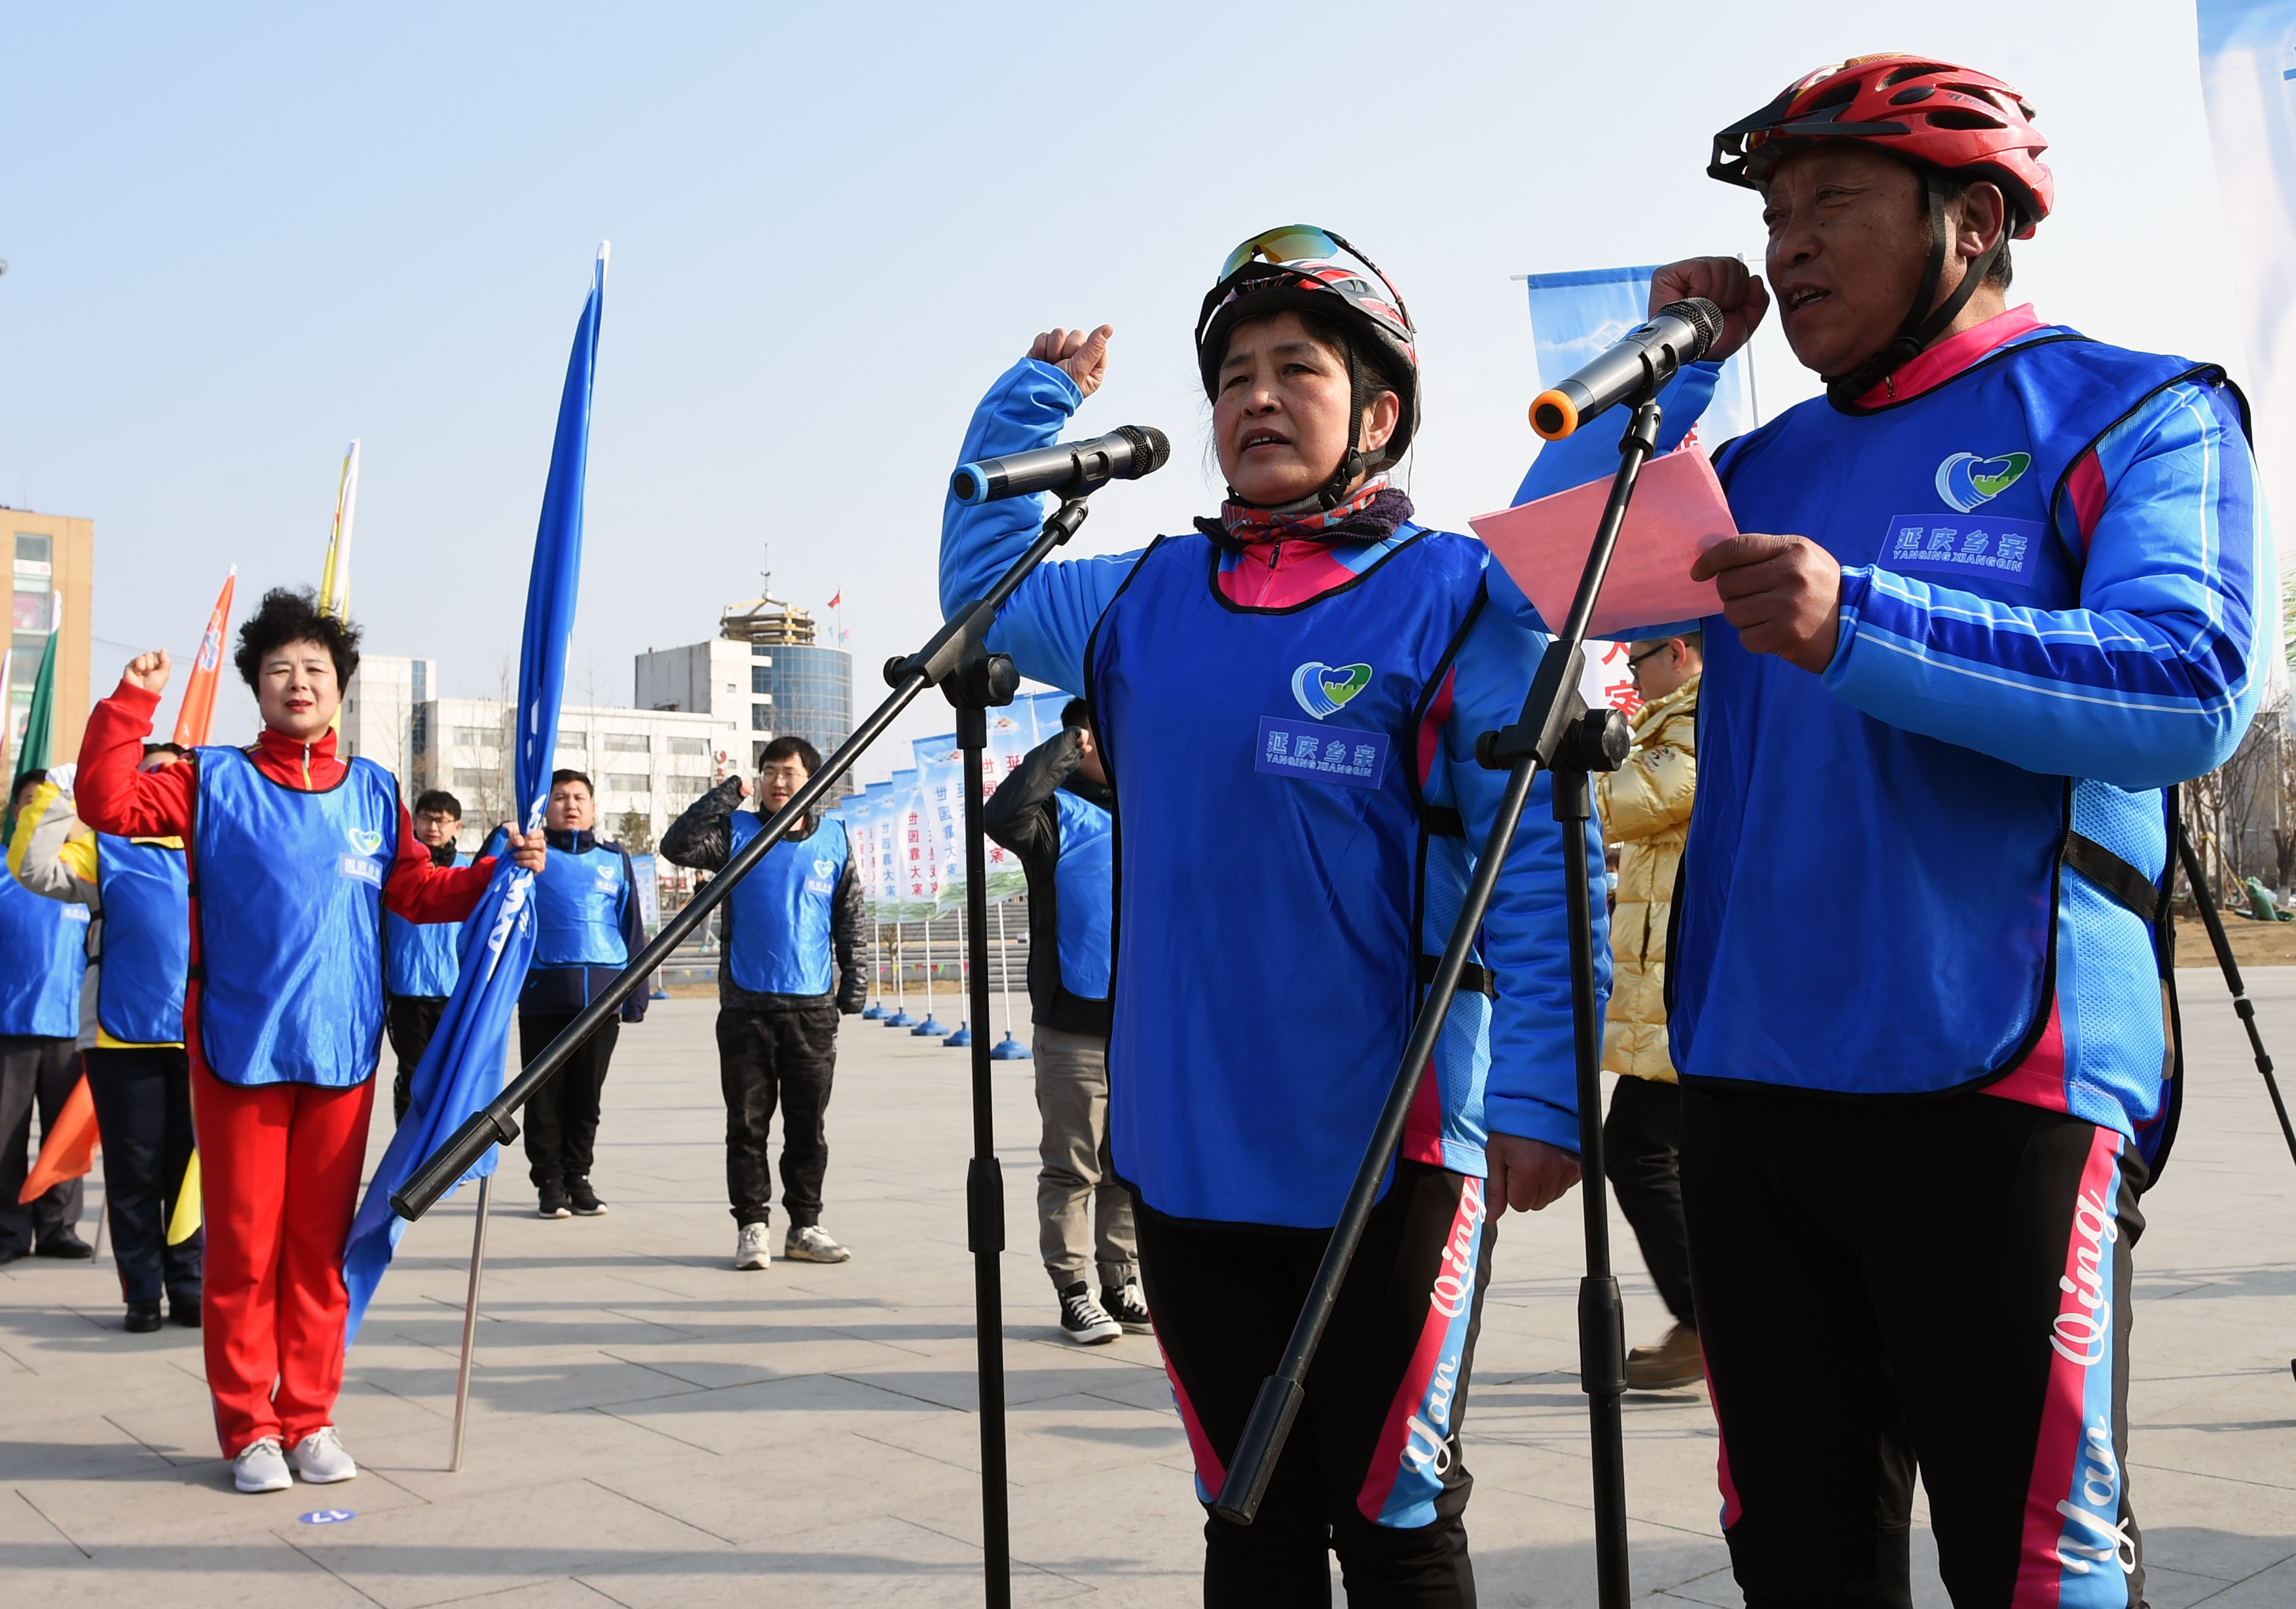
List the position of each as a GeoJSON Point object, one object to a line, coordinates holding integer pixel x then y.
{"type": "Point", "coordinates": [1070, 468]}
{"type": "Point", "coordinates": [1637, 365]}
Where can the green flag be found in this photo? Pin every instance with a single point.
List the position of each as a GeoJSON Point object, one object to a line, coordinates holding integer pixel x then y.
{"type": "Point", "coordinates": [39, 724]}
{"type": "Point", "coordinates": [39, 730]}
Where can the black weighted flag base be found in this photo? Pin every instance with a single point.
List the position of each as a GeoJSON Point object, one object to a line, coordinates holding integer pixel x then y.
{"type": "Point", "coordinates": [957, 661]}
{"type": "Point", "coordinates": [1557, 733]}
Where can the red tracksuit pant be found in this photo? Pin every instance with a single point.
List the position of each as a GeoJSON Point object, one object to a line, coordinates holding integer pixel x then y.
{"type": "Point", "coordinates": [279, 1175]}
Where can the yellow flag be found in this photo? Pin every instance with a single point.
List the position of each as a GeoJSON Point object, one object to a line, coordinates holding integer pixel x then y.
{"type": "Point", "coordinates": [185, 1223]}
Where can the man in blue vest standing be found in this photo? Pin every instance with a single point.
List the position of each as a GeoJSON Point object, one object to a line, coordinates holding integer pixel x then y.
{"type": "Point", "coordinates": [789, 967]}
{"type": "Point", "coordinates": [2002, 588]}
{"type": "Point", "coordinates": [137, 894]}
{"type": "Point", "coordinates": [587, 926]}
{"type": "Point", "coordinates": [420, 959]}
{"type": "Point", "coordinates": [1053, 813]}
{"type": "Point", "coordinates": [43, 951]}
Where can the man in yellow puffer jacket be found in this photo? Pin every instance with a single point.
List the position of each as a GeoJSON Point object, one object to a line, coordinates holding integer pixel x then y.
{"type": "Point", "coordinates": [1646, 808]}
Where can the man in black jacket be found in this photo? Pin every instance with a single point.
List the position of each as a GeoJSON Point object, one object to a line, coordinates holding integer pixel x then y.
{"type": "Point", "coordinates": [1053, 813]}
{"type": "Point", "coordinates": [787, 968]}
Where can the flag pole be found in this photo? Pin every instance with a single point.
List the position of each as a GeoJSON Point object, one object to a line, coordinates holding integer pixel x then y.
{"type": "Point", "coordinates": [470, 1324]}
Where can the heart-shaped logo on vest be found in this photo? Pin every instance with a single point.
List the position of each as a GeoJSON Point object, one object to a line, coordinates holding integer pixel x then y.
{"type": "Point", "coordinates": [366, 840]}
{"type": "Point", "coordinates": [1966, 480]}
{"type": "Point", "coordinates": [1322, 689]}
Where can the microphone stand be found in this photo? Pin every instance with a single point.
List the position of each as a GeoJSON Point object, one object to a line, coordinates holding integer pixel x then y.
{"type": "Point", "coordinates": [2243, 1006]}
{"type": "Point", "coordinates": [1556, 733]}
{"type": "Point", "coordinates": [957, 661]}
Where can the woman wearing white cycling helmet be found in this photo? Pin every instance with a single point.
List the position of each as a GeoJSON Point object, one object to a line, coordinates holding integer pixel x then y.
{"type": "Point", "coordinates": [1287, 700]}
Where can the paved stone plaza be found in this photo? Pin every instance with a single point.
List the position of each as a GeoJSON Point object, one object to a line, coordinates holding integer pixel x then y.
{"type": "Point", "coordinates": [650, 1428]}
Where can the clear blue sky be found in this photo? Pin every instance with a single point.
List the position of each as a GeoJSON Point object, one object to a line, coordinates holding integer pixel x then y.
{"type": "Point", "coordinates": [237, 238]}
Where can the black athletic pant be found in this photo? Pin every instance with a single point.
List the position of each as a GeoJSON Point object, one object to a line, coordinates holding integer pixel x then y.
{"type": "Point", "coordinates": [1380, 1428]}
{"type": "Point", "coordinates": [787, 1058]}
{"type": "Point", "coordinates": [561, 1119]}
{"type": "Point", "coordinates": [410, 1021]}
{"type": "Point", "coordinates": [144, 1110]}
{"type": "Point", "coordinates": [1942, 1286]}
{"type": "Point", "coordinates": [35, 1071]}
{"type": "Point", "coordinates": [1642, 1157]}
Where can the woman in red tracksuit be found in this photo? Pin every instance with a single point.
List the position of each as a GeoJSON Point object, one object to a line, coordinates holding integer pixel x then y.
{"type": "Point", "coordinates": [294, 855]}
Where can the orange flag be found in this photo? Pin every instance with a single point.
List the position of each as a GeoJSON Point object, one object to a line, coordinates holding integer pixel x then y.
{"type": "Point", "coordinates": [67, 1149]}
{"type": "Point", "coordinates": [191, 721]}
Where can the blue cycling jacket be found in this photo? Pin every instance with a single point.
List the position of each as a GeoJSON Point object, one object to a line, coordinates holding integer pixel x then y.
{"type": "Point", "coordinates": [1519, 1066]}
{"type": "Point", "coordinates": [2054, 604]}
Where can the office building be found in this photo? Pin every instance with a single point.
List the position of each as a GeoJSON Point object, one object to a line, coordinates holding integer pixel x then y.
{"type": "Point", "coordinates": [55, 580]}
{"type": "Point", "coordinates": [764, 672]}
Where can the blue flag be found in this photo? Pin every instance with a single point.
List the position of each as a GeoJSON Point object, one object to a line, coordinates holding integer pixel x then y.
{"type": "Point", "coordinates": [462, 1069]}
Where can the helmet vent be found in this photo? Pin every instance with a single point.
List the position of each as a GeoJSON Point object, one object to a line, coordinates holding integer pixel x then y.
{"type": "Point", "coordinates": [1913, 70]}
{"type": "Point", "coordinates": [1919, 92]}
{"type": "Point", "coordinates": [1954, 117]}
{"type": "Point", "coordinates": [1841, 94]}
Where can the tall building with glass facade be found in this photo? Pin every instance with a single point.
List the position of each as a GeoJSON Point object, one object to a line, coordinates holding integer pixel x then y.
{"type": "Point", "coordinates": [765, 670]}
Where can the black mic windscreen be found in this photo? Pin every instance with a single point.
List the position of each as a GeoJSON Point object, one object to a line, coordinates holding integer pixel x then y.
{"type": "Point", "coordinates": [1701, 315]}
{"type": "Point", "coordinates": [1152, 449]}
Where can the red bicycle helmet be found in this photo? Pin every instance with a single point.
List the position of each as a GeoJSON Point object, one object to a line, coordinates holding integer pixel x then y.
{"type": "Point", "coordinates": [1931, 115]}
{"type": "Point", "coordinates": [1295, 269]}
{"type": "Point", "coordinates": [1923, 111]}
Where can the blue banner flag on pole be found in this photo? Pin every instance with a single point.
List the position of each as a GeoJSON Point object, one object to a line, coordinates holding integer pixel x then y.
{"type": "Point", "coordinates": [1574, 318]}
{"type": "Point", "coordinates": [462, 1069]}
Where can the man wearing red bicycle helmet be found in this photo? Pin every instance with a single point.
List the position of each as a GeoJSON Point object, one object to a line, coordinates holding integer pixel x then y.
{"type": "Point", "coordinates": [2010, 587]}
{"type": "Point", "coordinates": [1287, 700]}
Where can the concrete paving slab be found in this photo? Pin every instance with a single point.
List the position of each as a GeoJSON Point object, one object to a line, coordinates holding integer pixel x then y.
{"type": "Point", "coordinates": [650, 1428]}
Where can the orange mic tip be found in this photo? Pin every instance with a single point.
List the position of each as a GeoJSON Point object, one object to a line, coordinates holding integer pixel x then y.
{"type": "Point", "coordinates": [1552, 416]}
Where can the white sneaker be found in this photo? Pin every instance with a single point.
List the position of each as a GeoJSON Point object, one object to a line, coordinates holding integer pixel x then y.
{"type": "Point", "coordinates": [813, 1244]}
{"type": "Point", "coordinates": [753, 1247]}
{"type": "Point", "coordinates": [320, 1459]}
{"type": "Point", "coordinates": [259, 1467]}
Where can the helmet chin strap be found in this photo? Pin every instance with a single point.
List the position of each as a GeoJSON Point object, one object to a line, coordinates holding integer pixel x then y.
{"type": "Point", "coordinates": [1920, 329]}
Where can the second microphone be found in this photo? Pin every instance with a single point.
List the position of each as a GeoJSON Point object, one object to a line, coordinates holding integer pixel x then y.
{"type": "Point", "coordinates": [1070, 468]}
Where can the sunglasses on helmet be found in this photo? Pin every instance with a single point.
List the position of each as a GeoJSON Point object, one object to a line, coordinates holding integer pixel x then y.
{"type": "Point", "coordinates": [1304, 243]}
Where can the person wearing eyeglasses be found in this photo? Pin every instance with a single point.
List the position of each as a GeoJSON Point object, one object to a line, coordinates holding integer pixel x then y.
{"type": "Point", "coordinates": [1324, 660]}
{"type": "Point", "coordinates": [1644, 809]}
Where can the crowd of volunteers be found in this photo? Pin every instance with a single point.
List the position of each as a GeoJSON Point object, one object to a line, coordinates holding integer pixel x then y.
{"type": "Point", "coordinates": [1885, 971]}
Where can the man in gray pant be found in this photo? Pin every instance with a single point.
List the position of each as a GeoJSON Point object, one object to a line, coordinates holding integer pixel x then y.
{"type": "Point", "coordinates": [1053, 812]}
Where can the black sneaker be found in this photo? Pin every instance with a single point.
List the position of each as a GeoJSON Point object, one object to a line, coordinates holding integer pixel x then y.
{"type": "Point", "coordinates": [1126, 1306]}
{"type": "Point", "coordinates": [583, 1199]}
{"type": "Point", "coordinates": [142, 1318]}
{"type": "Point", "coordinates": [554, 1202]}
{"type": "Point", "coordinates": [1081, 1319]}
{"type": "Point", "coordinates": [66, 1246]}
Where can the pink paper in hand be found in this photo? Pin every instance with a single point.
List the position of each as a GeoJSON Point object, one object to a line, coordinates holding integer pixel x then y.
{"type": "Point", "coordinates": [1678, 512]}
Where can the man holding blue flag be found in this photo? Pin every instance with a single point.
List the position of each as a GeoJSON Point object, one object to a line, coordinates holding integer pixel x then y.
{"type": "Point", "coordinates": [294, 855]}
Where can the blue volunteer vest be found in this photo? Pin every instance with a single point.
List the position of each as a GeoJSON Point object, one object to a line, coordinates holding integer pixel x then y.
{"type": "Point", "coordinates": [1266, 967]}
{"type": "Point", "coordinates": [578, 909]}
{"type": "Point", "coordinates": [421, 959]}
{"type": "Point", "coordinates": [781, 911]}
{"type": "Point", "coordinates": [147, 940]}
{"type": "Point", "coordinates": [43, 952]}
{"type": "Point", "coordinates": [1084, 893]}
{"type": "Point", "coordinates": [1864, 909]}
{"type": "Point", "coordinates": [290, 901]}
